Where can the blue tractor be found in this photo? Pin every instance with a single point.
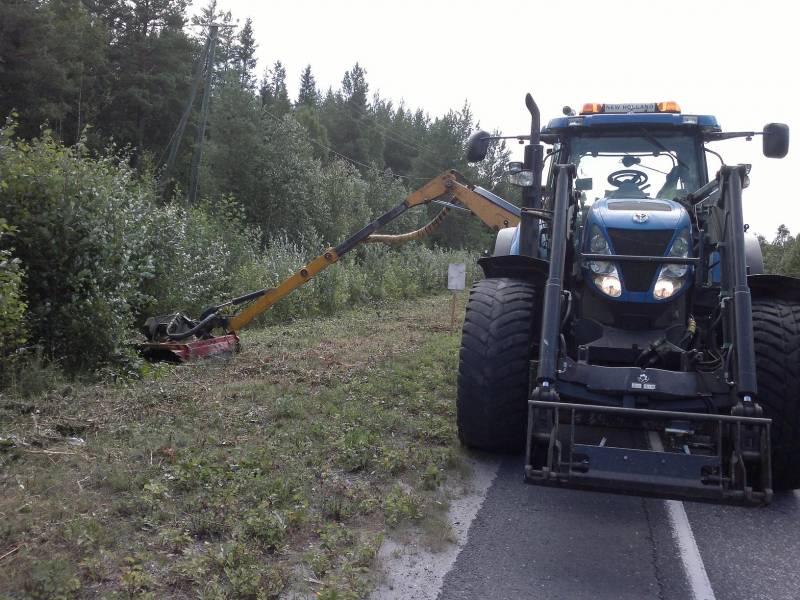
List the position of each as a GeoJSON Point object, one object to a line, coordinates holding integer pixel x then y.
{"type": "Point", "coordinates": [625, 336]}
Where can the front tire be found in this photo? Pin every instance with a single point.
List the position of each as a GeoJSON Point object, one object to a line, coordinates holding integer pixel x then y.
{"type": "Point", "coordinates": [493, 369]}
{"type": "Point", "coordinates": [776, 329]}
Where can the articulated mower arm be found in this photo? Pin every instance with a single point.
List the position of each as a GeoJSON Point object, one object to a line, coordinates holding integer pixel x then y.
{"type": "Point", "coordinates": [447, 188]}
{"type": "Point", "coordinates": [490, 209]}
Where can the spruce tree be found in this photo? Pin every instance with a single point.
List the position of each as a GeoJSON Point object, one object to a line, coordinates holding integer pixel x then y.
{"type": "Point", "coordinates": [152, 61]}
{"type": "Point", "coordinates": [265, 92]}
{"type": "Point", "coordinates": [308, 94]}
{"type": "Point", "coordinates": [347, 119]}
{"type": "Point", "coordinates": [52, 61]}
{"type": "Point", "coordinates": [245, 51]}
{"type": "Point", "coordinates": [280, 96]}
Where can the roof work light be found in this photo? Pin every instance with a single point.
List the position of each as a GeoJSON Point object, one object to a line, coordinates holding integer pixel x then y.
{"type": "Point", "coordinates": [595, 108]}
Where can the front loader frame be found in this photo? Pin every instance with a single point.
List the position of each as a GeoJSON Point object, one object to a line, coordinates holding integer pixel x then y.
{"type": "Point", "coordinates": [717, 457]}
{"type": "Point", "coordinates": [727, 469]}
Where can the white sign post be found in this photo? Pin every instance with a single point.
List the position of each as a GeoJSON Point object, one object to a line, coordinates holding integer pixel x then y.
{"type": "Point", "coordinates": [456, 280]}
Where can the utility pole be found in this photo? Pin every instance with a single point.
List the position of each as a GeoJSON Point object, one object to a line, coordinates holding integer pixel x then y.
{"type": "Point", "coordinates": [205, 69]}
{"type": "Point", "coordinates": [201, 130]}
{"type": "Point", "coordinates": [177, 136]}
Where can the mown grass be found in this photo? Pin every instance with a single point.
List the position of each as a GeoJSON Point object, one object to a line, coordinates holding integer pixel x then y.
{"type": "Point", "coordinates": [275, 474]}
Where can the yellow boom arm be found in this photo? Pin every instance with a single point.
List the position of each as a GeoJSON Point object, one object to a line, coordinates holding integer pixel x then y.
{"type": "Point", "coordinates": [448, 187]}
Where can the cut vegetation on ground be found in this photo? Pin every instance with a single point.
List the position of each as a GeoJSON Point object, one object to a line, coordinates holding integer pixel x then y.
{"type": "Point", "coordinates": [275, 474]}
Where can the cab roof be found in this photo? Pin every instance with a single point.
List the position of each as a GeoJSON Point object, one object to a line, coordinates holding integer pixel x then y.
{"type": "Point", "coordinates": [706, 123]}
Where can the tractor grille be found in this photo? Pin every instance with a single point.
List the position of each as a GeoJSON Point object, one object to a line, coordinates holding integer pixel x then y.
{"type": "Point", "coordinates": [638, 277]}
{"type": "Point", "coordinates": [639, 205]}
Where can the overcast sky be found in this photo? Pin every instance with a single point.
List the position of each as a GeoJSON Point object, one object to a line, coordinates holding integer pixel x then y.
{"type": "Point", "coordinates": [735, 60]}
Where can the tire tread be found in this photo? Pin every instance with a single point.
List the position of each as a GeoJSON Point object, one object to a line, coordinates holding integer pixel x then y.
{"type": "Point", "coordinates": [493, 369]}
{"type": "Point", "coordinates": [776, 332]}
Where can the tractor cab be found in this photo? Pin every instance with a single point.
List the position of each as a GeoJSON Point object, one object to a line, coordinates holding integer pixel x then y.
{"type": "Point", "coordinates": [635, 166]}
{"type": "Point", "coordinates": [634, 154]}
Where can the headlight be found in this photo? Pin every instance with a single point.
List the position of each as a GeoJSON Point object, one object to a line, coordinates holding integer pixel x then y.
{"type": "Point", "coordinates": [521, 178]}
{"type": "Point", "coordinates": [609, 284]}
{"type": "Point", "coordinates": [666, 287]}
{"type": "Point", "coordinates": [680, 247]}
{"type": "Point", "coordinates": [601, 267]}
{"type": "Point", "coordinates": [676, 271]}
{"type": "Point", "coordinates": [598, 243]}
{"type": "Point", "coordinates": [604, 273]}
{"type": "Point", "coordinates": [671, 277]}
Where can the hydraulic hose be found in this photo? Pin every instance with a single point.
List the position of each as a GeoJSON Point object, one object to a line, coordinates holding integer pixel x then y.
{"type": "Point", "coordinates": [402, 238]}
{"type": "Point", "coordinates": [203, 326]}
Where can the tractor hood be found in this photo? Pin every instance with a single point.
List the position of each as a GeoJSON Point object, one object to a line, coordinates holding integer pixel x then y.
{"type": "Point", "coordinates": [637, 227]}
{"type": "Point", "coordinates": [639, 214]}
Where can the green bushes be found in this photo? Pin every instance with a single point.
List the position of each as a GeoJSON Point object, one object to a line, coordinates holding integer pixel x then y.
{"type": "Point", "coordinates": [195, 253]}
{"type": "Point", "coordinates": [100, 252]}
{"type": "Point", "coordinates": [369, 273]}
{"type": "Point", "coordinates": [78, 237]}
{"type": "Point", "coordinates": [12, 305]}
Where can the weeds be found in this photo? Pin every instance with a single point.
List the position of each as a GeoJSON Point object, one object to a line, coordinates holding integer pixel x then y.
{"type": "Point", "coordinates": [273, 474]}
{"type": "Point", "coordinates": [401, 505]}
{"type": "Point", "coordinates": [52, 579]}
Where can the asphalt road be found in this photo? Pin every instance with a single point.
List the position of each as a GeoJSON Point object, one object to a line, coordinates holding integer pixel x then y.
{"type": "Point", "coordinates": [544, 543]}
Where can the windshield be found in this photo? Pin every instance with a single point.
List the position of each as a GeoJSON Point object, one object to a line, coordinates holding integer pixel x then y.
{"type": "Point", "coordinates": [644, 166]}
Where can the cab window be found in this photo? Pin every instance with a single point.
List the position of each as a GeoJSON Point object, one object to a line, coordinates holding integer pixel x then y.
{"type": "Point", "coordinates": [644, 166]}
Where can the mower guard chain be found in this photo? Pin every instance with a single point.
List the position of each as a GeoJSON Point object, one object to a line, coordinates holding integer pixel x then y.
{"type": "Point", "coordinates": [735, 469]}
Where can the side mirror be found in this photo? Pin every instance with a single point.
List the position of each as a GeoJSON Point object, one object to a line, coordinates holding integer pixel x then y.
{"type": "Point", "coordinates": [518, 175]}
{"type": "Point", "coordinates": [514, 167]}
{"type": "Point", "coordinates": [477, 146]}
{"type": "Point", "coordinates": [776, 140]}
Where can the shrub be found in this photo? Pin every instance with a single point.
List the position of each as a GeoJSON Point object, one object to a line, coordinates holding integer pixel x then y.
{"type": "Point", "coordinates": [101, 252]}
{"type": "Point", "coordinates": [195, 253]}
{"type": "Point", "coordinates": [372, 272]}
{"type": "Point", "coordinates": [78, 235]}
{"type": "Point", "coordinates": [12, 304]}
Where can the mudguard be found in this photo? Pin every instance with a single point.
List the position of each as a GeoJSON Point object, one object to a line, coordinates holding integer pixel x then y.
{"type": "Point", "coordinates": [781, 287]}
{"type": "Point", "coordinates": [515, 266]}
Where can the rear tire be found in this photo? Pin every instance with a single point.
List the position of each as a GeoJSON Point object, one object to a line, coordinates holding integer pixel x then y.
{"type": "Point", "coordinates": [776, 329]}
{"type": "Point", "coordinates": [493, 369]}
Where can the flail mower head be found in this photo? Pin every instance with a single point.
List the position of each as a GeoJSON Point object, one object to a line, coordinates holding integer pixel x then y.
{"type": "Point", "coordinates": [177, 338]}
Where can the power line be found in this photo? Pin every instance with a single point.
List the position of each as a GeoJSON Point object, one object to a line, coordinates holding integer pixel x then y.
{"type": "Point", "coordinates": [348, 158]}
{"type": "Point", "coordinates": [393, 134]}
{"type": "Point", "coordinates": [396, 137]}
{"type": "Point", "coordinates": [177, 135]}
{"type": "Point", "coordinates": [194, 177]}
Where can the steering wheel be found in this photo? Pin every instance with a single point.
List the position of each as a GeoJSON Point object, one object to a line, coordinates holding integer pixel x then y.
{"type": "Point", "coordinates": [627, 178]}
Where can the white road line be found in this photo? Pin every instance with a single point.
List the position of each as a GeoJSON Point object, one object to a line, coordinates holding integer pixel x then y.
{"type": "Point", "coordinates": [690, 553]}
{"type": "Point", "coordinates": [684, 537]}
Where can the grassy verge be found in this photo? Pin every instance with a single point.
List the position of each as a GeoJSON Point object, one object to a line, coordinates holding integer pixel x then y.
{"type": "Point", "coordinates": [276, 474]}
